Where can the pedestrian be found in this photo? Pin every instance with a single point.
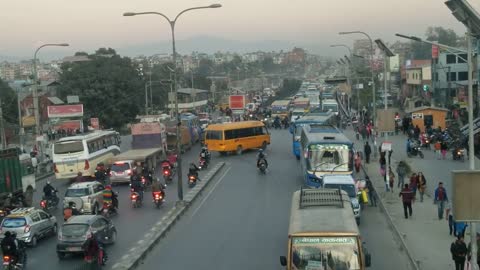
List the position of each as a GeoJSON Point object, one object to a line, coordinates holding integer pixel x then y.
{"type": "Point", "coordinates": [401, 172]}
{"type": "Point", "coordinates": [371, 192]}
{"type": "Point", "coordinates": [367, 150]}
{"type": "Point", "coordinates": [438, 149]}
{"type": "Point", "coordinates": [440, 198]}
{"type": "Point", "coordinates": [459, 252]}
{"type": "Point", "coordinates": [391, 178]}
{"type": "Point", "coordinates": [407, 145]}
{"type": "Point", "coordinates": [34, 163]}
{"type": "Point", "coordinates": [414, 184]}
{"type": "Point", "coordinates": [444, 148]}
{"type": "Point", "coordinates": [358, 162]}
{"type": "Point", "coordinates": [478, 250]}
{"type": "Point", "coordinates": [451, 222]}
{"type": "Point", "coordinates": [461, 227]}
{"type": "Point", "coordinates": [390, 156]}
{"type": "Point", "coordinates": [422, 185]}
{"type": "Point", "coordinates": [407, 199]}
{"type": "Point", "coordinates": [363, 132]}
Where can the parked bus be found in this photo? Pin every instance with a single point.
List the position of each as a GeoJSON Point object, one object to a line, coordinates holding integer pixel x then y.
{"type": "Point", "coordinates": [323, 151]}
{"type": "Point", "coordinates": [82, 153]}
{"type": "Point", "coordinates": [330, 104]}
{"type": "Point", "coordinates": [193, 124]}
{"type": "Point", "coordinates": [236, 136]}
{"type": "Point", "coordinates": [280, 108]}
{"type": "Point", "coordinates": [318, 119]}
{"type": "Point", "coordinates": [323, 233]}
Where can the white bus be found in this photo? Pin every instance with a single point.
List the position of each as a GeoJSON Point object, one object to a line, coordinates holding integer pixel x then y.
{"type": "Point", "coordinates": [330, 104]}
{"type": "Point", "coordinates": [83, 152]}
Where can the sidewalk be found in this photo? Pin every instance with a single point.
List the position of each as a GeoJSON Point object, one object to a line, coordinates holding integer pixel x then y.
{"type": "Point", "coordinates": [426, 237]}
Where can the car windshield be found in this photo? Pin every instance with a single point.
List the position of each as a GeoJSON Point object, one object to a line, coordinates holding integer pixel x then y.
{"type": "Point", "coordinates": [75, 230]}
{"type": "Point", "coordinates": [76, 192]}
{"type": "Point", "coordinates": [325, 253]}
{"type": "Point", "coordinates": [68, 147]}
{"type": "Point", "coordinates": [13, 222]}
{"type": "Point", "coordinates": [120, 167]}
{"type": "Point", "coordinates": [349, 188]}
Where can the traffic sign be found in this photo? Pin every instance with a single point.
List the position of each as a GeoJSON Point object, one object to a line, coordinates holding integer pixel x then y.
{"type": "Point", "coordinates": [386, 146]}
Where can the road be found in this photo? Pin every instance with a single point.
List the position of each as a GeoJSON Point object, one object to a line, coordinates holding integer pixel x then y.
{"type": "Point", "coordinates": [130, 223]}
{"type": "Point", "coordinates": [241, 222]}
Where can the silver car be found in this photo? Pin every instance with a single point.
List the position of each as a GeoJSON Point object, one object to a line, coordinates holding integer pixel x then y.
{"type": "Point", "coordinates": [29, 224]}
{"type": "Point", "coordinates": [86, 196]}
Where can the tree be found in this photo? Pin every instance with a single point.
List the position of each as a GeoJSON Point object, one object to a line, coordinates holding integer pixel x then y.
{"type": "Point", "coordinates": [437, 34]}
{"type": "Point", "coordinates": [9, 103]}
{"type": "Point", "coordinates": [108, 85]}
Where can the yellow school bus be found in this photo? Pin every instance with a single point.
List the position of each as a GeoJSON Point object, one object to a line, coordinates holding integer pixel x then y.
{"type": "Point", "coordinates": [236, 136]}
{"type": "Point", "coordinates": [323, 233]}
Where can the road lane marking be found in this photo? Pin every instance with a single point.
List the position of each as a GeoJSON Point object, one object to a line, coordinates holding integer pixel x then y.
{"type": "Point", "coordinates": [211, 191]}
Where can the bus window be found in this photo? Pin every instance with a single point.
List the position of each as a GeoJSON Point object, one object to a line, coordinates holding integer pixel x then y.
{"type": "Point", "coordinates": [68, 147]}
{"type": "Point", "coordinates": [214, 135]}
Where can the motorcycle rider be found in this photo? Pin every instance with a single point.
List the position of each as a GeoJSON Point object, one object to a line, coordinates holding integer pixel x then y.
{"type": "Point", "coordinates": [276, 122]}
{"type": "Point", "coordinates": [110, 198]}
{"type": "Point", "coordinates": [193, 170]}
{"type": "Point", "coordinates": [158, 187]}
{"type": "Point", "coordinates": [136, 184]}
{"type": "Point", "coordinates": [261, 156]}
{"type": "Point", "coordinates": [9, 246]}
{"type": "Point", "coordinates": [50, 192]}
{"type": "Point", "coordinates": [205, 154]}
{"type": "Point", "coordinates": [100, 173]}
{"type": "Point", "coordinates": [92, 250]}
{"type": "Point", "coordinates": [70, 211]}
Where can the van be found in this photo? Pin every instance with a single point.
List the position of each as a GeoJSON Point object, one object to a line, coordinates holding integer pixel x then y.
{"type": "Point", "coordinates": [347, 183]}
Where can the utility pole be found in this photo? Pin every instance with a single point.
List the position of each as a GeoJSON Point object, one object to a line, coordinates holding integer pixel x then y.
{"type": "Point", "coordinates": [3, 138]}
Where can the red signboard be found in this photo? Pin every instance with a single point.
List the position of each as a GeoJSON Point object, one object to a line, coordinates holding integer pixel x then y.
{"type": "Point", "coordinates": [69, 125]}
{"type": "Point", "coordinates": [147, 128]}
{"type": "Point", "coordinates": [237, 102]}
{"type": "Point", "coordinates": [434, 51]}
{"type": "Point", "coordinates": [59, 111]}
{"type": "Point", "coordinates": [94, 123]}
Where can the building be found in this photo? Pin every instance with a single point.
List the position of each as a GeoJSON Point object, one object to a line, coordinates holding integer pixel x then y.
{"type": "Point", "coordinates": [451, 73]}
{"type": "Point", "coordinates": [414, 78]}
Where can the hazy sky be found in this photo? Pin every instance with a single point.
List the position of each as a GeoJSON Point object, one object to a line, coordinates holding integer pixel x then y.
{"type": "Point", "coordinates": [89, 24]}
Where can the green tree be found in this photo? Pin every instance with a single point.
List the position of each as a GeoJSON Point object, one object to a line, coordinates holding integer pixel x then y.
{"type": "Point", "coordinates": [9, 103]}
{"type": "Point", "coordinates": [438, 34]}
{"type": "Point", "coordinates": [108, 85]}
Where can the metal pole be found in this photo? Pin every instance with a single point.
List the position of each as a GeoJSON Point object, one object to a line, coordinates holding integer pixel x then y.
{"type": "Point", "coordinates": [471, 149]}
{"type": "Point", "coordinates": [179, 122]}
{"type": "Point", "coordinates": [146, 98]}
{"type": "Point", "coordinates": [35, 96]}
{"type": "Point", "coordinates": [3, 138]}
{"type": "Point", "coordinates": [20, 123]}
{"type": "Point", "coordinates": [385, 84]}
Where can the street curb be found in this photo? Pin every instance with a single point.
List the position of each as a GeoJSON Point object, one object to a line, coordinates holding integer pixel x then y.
{"type": "Point", "coordinates": [392, 225]}
{"type": "Point", "coordinates": [133, 257]}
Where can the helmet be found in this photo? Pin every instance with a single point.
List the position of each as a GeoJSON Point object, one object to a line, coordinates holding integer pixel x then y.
{"type": "Point", "coordinates": [48, 182]}
{"type": "Point", "coordinates": [8, 234]}
{"type": "Point", "coordinates": [108, 187]}
{"type": "Point", "coordinates": [260, 150]}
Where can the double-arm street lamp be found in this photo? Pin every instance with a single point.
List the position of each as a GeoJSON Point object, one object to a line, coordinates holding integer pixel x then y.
{"type": "Point", "coordinates": [38, 129]}
{"type": "Point", "coordinates": [175, 86]}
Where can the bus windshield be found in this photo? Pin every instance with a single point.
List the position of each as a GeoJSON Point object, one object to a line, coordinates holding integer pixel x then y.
{"type": "Point", "coordinates": [333, 107]}
{"type": "Point", "coordinates": [325, 253]}
{"type": "Point", "coordinates": [327, 157]}
{"type": "Point", "coordinates": [68, 147]}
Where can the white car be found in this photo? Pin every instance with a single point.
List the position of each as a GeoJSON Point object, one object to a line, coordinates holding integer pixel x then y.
{"type": "Point", "coordinates": [346, 183]}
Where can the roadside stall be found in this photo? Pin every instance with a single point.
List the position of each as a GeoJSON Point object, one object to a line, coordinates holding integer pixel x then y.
{"type": "Point", "coordinates": [428, 116]}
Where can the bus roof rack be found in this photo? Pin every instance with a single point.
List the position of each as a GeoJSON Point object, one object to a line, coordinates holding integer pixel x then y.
{"type": "Point", "coordinates": [321, 197]}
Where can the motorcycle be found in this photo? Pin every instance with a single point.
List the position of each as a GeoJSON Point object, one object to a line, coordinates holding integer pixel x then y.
{"type": "Point", "coordinates": [158, 198]}
{"type": "Point", "coordinates": [415, 151]}
{"type": "Point", "coordinates": [10, 263]}
{"type": "Point", "coordinates": [458, 154]}
{"type": "Point", "coordinates": [50, 203]}
{"type": "Point", "coordinates": [192, 180]}
{"type": "Point", "coordinates": [135, 199]}
{"type": "Point", "coordinates": [262, 166]}
{"type": "Point", "coordinates": [108, 209]}
{"type": "Point", "coordinates": [426, 143]}
{"type": "Point", "coordinates": [99, 260]}
{"type": "Point", "coordinates": [202, 164]}
{"type": "Point", "coordinates": [167, 174]}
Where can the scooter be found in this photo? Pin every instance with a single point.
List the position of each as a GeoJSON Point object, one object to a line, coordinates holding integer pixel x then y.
{"type": "Point", "coordinates": [108, 210]}
{"type": "Point", "coordinates": [192, 180]}
{"type": "Point", "coordinates": [50, 203]}
{"type": "Point", "coordinates": [202, 164]}
{"type": "Point", "coordinates": [158, 198]}
{"type": "Point", "coordinates": [458, 154]}
{"type": "Point", "coordinates": [167, 174]}
{"type": "Point", "coordinates": [415, 151]}
{"type": "Point", "coordinates": [135, 199]}
{"type": "Point", "coordinates": [262, 166]}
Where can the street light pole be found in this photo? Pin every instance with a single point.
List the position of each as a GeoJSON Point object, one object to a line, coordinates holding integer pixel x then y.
{"type": "Point", "coordinates": [38, 129]}
{"type": "Point", "coordinates": [175, 85]}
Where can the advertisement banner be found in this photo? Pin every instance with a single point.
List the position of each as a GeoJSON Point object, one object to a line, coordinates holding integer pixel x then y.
{"type": "Point", "coordinates": [147, 128]}
{"type": "Point", "coordinates": [237, 102]}
{"type": "Point", "coordinates": [94, 123]}
{"type": "Point", "coordinates": [60, 111]}
{"type": "Point", "coordinates": [28, 121]}
{"type": "Point", "coordinates": [434, 51]}
{"type": "Point", "coordinates": [69, 125]}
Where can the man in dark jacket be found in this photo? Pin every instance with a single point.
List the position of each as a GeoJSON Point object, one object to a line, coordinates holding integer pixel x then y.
{"type": "Point", "coordinates": [367, 150]}
{"type": "Point", "coordinates": [407, 199]}
{"type": "Point", "coordinates": [459, 252]}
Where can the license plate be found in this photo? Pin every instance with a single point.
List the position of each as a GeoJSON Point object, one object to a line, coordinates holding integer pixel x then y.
{"type": "Point", "coordinates": [74, 249]}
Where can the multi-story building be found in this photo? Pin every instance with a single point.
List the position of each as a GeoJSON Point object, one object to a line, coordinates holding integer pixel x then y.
{"type": "Point", "coordinates": [417, 72]}
{"type": "Point", "coordinates": [451, 77]}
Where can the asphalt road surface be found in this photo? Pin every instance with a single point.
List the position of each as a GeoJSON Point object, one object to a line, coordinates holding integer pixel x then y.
{"type": "Point", "coordinates": [130, 223]}
{"type": "Point", "coordinates": [241, 221]}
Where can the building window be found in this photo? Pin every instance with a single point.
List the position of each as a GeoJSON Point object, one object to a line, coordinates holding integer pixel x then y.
{"type": "Point", "coordinates": [435, 76]}
{"type": "Point", "coordinates": [460, 60]}
{"type": "Point", "coordinates": [408, 76]}
{"type": "Point", "coordinates": [451, 59]}
{"type": "Point", "coordinates": [453, 76]}
{"type": "Point", "coordinates": [463, 76]}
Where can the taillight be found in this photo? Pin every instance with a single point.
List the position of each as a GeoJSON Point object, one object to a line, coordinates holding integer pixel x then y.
{"type": "Point", "coordinates": [6, 258]}
{"type": "Point", "coordinates": [55, 168]}
{"type": "Point", "coordinates": [133, 196]}
{"type": "Point", "coordinates": [43, 203]}
{"type": "Point", "coordinates": [192, 177]}
{"type": "Point", "coordinates": [129, 172]}
{"type": "Point", "coordinates": [166, 172]}
{"type": "Point", "coordinates": [87, 165]}
{"type": "Point", "coordinates": [27, 229]}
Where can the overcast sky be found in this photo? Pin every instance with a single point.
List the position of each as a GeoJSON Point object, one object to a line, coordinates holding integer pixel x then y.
{"type": "Point", "coordinates": [89, 24]}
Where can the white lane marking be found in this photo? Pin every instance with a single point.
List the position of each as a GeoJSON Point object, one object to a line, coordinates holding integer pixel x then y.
{"type": "Point", "coordinates": [211, 191]}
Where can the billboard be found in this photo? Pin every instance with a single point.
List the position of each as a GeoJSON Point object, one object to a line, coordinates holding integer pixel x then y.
{"type": "Point", "coordinates": [60, 111]}
{"type": "Point", "coordinates": [69, 125]}
{"type": "Point", "coordinates": [28, 121]}
{"type": "Point", "coordinates": [465, 199]}
{"type": "Point", "coordinates": [147, 128]}
{"type": "Point", "coordinates": [237, 102]}
{"type": "Point", "coordinates": [386, 120]}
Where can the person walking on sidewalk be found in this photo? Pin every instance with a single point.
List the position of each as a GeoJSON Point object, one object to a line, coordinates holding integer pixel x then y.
{"type": "Point", "coordinates": [414, 184]}
{"type": "Point", "coordinates": [401, 172]}
{"type": "Point", "coordinates": [444, 148]}
{"type": "Point", "coordinates": [459, 252]}
{"type": "Point", "coordinates": [451, 223]}
{"type": "Point", "coordinates": [422, 185]}
{"type": "Point", "coordinates": [372, 195]}
{"type": "Point", "coordinates": [367, 150]}
{"type": "Point", "coordinates": [407, 199]}
{"type": "Point", "coordinates": [358, 162]}
{"type": "Point", "coordinates": [438, 149]}
{"type": "Point", "coordinates": [391, 178]}
{"type": "Point", "coordinates": [440, 198]}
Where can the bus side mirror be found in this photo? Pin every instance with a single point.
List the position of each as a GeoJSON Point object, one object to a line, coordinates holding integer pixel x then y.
{"type": "Point", "coordinates": [283, 260]}
{"type": "Point", "coordinates": [368, 260]}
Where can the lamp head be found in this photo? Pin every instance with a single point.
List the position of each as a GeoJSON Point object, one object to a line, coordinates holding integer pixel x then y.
{"type": "Point", "coordinates": [129, 14]}
{"type": "Point", "coordinates": [64, 44]}
{"type": "Point", "coordinates": [215, 6]}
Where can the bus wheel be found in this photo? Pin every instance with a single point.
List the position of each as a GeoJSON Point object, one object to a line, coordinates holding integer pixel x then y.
{"type": "Point", "coordinates": [239, 150]}
{"type": "Point", "coordinates": [264, 145]}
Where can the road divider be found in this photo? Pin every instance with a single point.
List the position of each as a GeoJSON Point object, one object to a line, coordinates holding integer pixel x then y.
{"type": "Point", "coordinates": [135, 255]}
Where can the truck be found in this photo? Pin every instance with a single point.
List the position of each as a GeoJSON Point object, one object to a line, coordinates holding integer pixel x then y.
{"type": "Point", "coordinates": [148, 135]}
{"type": "Point", "coordinates": [185, 143]}
{"type": "Point", "coordinates": [280, 108]}
{"type": "Point", "coordinates": [237, 103]}
{"type": "Point", "coordinates": [17, 175]}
